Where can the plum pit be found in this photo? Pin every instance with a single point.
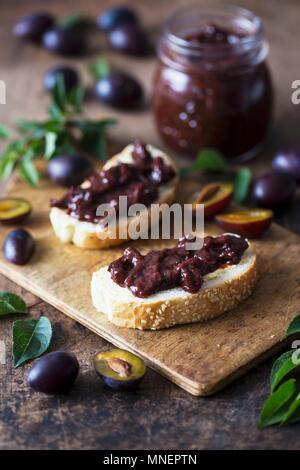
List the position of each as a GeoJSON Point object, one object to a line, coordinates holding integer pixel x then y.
{"type": "Point", "coordinates": [215, 197]}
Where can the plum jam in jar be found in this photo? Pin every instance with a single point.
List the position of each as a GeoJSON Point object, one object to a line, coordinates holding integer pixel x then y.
{"type": "Point", "coordinates": [213, 87]}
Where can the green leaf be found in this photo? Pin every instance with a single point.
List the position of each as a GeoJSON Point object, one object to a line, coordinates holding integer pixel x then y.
{"type": "Point", "coordinates": [281, 368]}
{"type": "Point", "coordinates": [94, 144]}
{"type": "Point", "coordinates": [4, 132]}
{"type": "Point", "coordinates": [11, 303]}
{"type": "Point", "coordinates": [294, 327]}
{"type": "Point", "coordinates": [59, 95]}
{"type": "Point", "coordinates": [50, 144]}
{"type": "Point", "coordinates": [31, 338]}
{"type": "Point", "coordinates": [25, 126]}
{"type": "Point", "coordinates": [74, 21]}
{"type": "Point", "coordinates": [207, 160]}
{"type": "Point", "coordinates": [65, 104]}
{"type": "Point", "coordinates": [274, 408]}
{"type": "Point", "coordinates": [10, 157]}
{"type": "Point", "coordinates": [39, 129]}
{"type": "Point", "coordinates": [29, 172]}
{"type": "Point", "coordinates": [7, 165]}
{"type": "Point", "coordinates": [66, 143]}
{"type": "Point", "coordinates": [298, 281]}
{"type": "Point", "coordinates": [93, 136]}
{"type": "Point", "coordinates": [17, 147]}
{"type": "Point", "coordinates": [37, 148]}
{"type": "Point", "coordinates": [290, 413]}
{"type": "Point", "coordinates": [242, 184]}
{"type": "Point", "coordinates": [282, 406]}
{"type": "Point", "coordinates": [55, 112]}
{"type": "Point", "coordinates": [99, 69]}
{"type": "Point", "coordinates": [76, 97]}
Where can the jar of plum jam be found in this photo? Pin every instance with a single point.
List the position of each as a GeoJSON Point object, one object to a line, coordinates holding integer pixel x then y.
{"type": "Point", "coordinates": [213, 87]}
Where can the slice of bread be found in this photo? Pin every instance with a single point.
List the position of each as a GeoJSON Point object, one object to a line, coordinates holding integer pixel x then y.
{"type": "Point", "coordinates": [222, 290]}
{"type": "Point", "coordinates": [94, 236]}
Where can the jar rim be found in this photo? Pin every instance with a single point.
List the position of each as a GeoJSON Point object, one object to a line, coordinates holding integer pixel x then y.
{"type": "Point", "coordinates": [247, 42]}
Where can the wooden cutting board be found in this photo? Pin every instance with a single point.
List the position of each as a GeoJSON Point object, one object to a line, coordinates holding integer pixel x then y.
{"type": "Point", "coordinates": [200, 358]}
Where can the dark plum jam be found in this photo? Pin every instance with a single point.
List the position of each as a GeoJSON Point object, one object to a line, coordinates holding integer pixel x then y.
{"type": "Point", "coordinates": [175, 267]}
{"type": "Point", "coordinates": [139, 181]}
{"type": "Point", "coordinates": [211, 33]}
{"type": "Point", "coordinates": [212, 87]}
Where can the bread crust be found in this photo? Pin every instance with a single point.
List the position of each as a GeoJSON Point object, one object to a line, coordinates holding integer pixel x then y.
{"type": "Point", "coordinates": [177, 307]}
{"type": "Point", "coordinates": [92, 236]}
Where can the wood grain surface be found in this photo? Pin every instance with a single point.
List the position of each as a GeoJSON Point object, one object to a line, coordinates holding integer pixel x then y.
{"type": "Point", "coordinates": [201, 357]}
{"type": "Point", "coordinates": [159, 415]}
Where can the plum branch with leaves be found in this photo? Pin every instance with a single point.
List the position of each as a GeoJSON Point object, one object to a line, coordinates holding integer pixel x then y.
{"type": "Point", "coordinates": [65, 131]}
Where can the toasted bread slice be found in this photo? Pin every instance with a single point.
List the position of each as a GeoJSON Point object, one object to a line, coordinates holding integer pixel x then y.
{"type": "Point", "coordinates": [222, 290]}
{"type": "Point", "coordinates": [94, 236]}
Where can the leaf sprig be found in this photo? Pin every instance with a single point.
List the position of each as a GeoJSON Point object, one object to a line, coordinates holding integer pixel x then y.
{"type": "Point", "coordinates": [283, 404]}
{"type": "Point", "coordinates": [65, 131]}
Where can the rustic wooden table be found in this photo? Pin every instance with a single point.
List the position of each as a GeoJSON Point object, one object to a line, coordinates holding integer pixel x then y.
{"type": "Point", "coordinates": [159, 415]}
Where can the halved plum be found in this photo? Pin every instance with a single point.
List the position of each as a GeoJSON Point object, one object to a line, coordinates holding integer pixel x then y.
{"type": "Point", "coordinates": [119, 369]}
{"type": "Point", "coordinates": [14, 210]}
{"type": "Point", "coordinates": [215, 197]}
{"type": "Point", "coordinates": [250, 223]}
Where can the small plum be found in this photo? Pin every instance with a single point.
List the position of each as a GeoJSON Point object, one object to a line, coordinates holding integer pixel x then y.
{"type": "Point", "coordinates": [119, 90]}
{"type": "Point", "coordinates": [287, 162]}
{"type": "Point", "coordinates": [66, 42]}
{"type": "Point", "coordinates": [273, 190]}
{"type": "Point", "coordinates": [129, 39]}
{"type": "Point", "coordinates": [53, 373]}
{"type": "Point", "coordinates": [116, 16]}
{"type": "Point", "coordinates": [69, 170]}
{"type": "Point", "coordinates": [32, 27]}
{"type": "Point", "coordinates": [69, 76]}
{"type": "Point", "coordinates": [18, 246]}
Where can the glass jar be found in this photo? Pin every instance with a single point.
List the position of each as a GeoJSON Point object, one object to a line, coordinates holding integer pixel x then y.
{"type": "Point", "coordinates": [213, 87]}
